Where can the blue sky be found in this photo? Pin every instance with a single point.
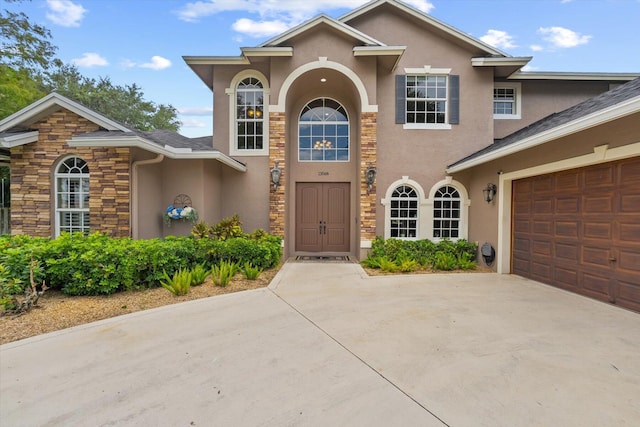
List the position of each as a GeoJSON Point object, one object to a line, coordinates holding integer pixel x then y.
{"type": "Point", "coordinates": [143, 41]}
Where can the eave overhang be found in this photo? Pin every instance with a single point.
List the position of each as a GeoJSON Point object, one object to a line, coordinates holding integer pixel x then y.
{"type": "Point", "coordinates": [553, 75]}
{"type": "Point", "coordinates": [17, 139]}
{"type": "Point", "coordinates": [168, 151]}
{"type": "Point", "coordinates": [623, 109]}
{"type": "Point", "coordinates": [388, 55]}
{"type": "Point", "coordinates": [504, 67]}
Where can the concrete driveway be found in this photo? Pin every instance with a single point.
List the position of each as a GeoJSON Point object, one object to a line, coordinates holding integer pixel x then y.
{"type": "Point", "coordinates": [326, 345]}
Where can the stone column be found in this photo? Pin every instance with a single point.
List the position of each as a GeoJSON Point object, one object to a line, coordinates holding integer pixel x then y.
{"type": "Point", "coordinates": [368, 157]}
{"type": "Point", "coordinates": [277, 152]}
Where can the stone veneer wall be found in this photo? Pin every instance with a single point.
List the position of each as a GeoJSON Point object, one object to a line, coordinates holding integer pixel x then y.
{"type": "Point", "coordinates": [368, 156]}
{"type": "Point", "coordinates": [277, 154]}
{"type": "Point", "coordinates": [32, 179]}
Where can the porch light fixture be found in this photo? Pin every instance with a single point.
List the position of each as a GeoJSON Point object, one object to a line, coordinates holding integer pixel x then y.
{"type": "Point", "coordinates": [370, 177]}
{"type": "Point", "coordinates": [489, 192]}
{"type": "Point", "coordinates": [276, 173]}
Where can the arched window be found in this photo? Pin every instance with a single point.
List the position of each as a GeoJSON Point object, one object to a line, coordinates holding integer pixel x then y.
{"type": "Point", "coordinates": [250, 115]}
{"type": "Point", "coordinates": [404, 213]}
{"type": "Point", "coordinates": [72, 196]}
{"type": "Point", "coordinates": [446, 213]}
{"type": "Point", "coordinates": [323, 132]}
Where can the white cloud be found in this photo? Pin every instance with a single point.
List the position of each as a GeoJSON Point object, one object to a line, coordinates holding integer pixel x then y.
{"type": "Point", "coordinates": [192, 123]}
{"type": "Point", "coordinates": [499, 39]}
{"type": "Point", "coordinates": [536, 47]}
{"type": "Point", "coordinates": [127, 63]}
{"type": "Point", "coordinates": [65, 12]}
{"type": "Point", "coordinates": [157, 63]}
{"type": "Point", "coordinates": [560, 37]}
{"type": "Point", "coordinates": [196, 111]}
{"type": "Point", "coordinates": [90, 59]}
{"type": "Point", "coordinates": [275, 15]}
{"type": "Point", "coordinates": [529, 68]}
{"type": "Point", "coordinates": [259, 29]}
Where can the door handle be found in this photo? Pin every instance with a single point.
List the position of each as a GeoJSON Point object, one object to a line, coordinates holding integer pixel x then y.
{"type": "Point", "coordinates": [323, 227]}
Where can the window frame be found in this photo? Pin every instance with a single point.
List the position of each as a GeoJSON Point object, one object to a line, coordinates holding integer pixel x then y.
{"type": "Point", "coordinates": [408, 218]}
{"type": "Point", "coordinates": [465, 202]}
{"type": "Point", "coordinates": [232, 92]}
{"type": "Point", "coordinates": [427, 71]}
{"type": "Point", "coordinates": [323, 124]}
{"type": "Point", "coordinates": [85, 209]}
{"type": "Point", "coordinates": [517, 102]}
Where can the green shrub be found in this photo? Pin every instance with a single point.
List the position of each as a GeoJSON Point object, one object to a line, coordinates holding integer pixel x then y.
{"type": "Point", "coordinates": [445, 261]}
{"type": "Point", "coordinates": [407, 265]}
{"type": "Point", "coordinates": [199, 274]}
{"type": "Point", "coordinates": [251, 272]}
{"type": "Point", "coordinates": [179, 284]}
{"type": "Point", "coordinates": [98, 264]}
{"type": "Point", "coordinates": [227, 228]}
{"type": "Point", "coordinates": [388, 265]}
{"type": "Point", "coordinates": [410, 255]}
{"type": "Point", "coordinates": [464, 263]}
{"type": "Point", "coordinates": [222, 273]}
{"type": "Point", "coordinates": [9, 287]}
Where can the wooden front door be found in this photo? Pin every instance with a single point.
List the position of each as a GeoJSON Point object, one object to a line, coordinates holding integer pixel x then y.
{"type": "Point", "coordinates": [322, 217]}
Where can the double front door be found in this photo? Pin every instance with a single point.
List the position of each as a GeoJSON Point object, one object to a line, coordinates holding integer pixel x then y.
{"type": "Point", "coordinates": [322, 217]}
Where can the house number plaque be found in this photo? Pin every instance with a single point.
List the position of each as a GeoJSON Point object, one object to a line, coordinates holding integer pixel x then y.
{"type": "Point", "coordinates": [322, 173]}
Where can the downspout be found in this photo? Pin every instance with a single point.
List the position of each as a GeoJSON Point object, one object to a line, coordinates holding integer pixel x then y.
{"type": "Point", "coordinates": [134, 191]}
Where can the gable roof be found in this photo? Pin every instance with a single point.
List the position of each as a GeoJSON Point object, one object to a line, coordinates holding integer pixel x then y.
{"type": "Point", "coordinates": [14, 131]}
{"type": "Point", "coordinates": [427, 19]}
{"type": "Point", "coordinates": [48, 105]}
{"type": "Point", "coordinates": [318, 20]}
{"type": "Point", "coordinates": [608, 106]}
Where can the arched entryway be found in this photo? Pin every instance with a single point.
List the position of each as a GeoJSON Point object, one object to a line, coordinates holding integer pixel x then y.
{"type": "Point", "coordinates": [321, 202]}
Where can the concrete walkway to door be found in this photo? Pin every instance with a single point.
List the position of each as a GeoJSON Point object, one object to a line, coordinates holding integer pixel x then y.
{"type": "Point", "coordinates": [326, 345]}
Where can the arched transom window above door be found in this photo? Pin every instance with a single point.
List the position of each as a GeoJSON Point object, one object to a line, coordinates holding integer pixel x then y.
{"type": "Point", "coordinates": [323, 132]}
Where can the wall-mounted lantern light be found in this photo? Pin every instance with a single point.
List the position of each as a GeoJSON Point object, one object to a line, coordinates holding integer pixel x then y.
{"type": "Point", "coordinates": [276, 173]}
{"type": "Point", "coordinates": [489, 192]}
{"type": "Point", "coordinates": [370, 177]}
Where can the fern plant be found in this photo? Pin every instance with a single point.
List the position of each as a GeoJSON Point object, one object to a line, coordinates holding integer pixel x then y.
{"type": "Point", "coordinates": [464, 263]}
{"type": "Point", "coordinates": [198, 274]}
{"type": "Point", "coordinates": [179, 284]}
{"type": "Point", "coordinates": [222, 273]}
{"type": "Point", "coordinates": [388, 265]}
{"type": "Point", "coordinates": [251, 272]}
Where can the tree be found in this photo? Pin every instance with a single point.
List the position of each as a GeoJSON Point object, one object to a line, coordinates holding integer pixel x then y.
{"type": "Point", "coordinates": [29, 70]}
{"type": "Point", "coordinates": [25, 54]}
{"type": "Point", "coordinates": [18, 89]}
{"type": "Point", "coordinates": [25, 46]}
{"type": "Point", "coordinates": [125, 104]}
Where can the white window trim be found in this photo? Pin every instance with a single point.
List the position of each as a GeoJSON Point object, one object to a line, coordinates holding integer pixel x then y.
{"type": "Point", "coordinates": [464, 209]}
{"type": "Point", "coordinates": [57, 175]}
{"type": "Point", "coordinates": [348, 133]}
{"type": "Point", "coordinates": [424, 71]}
{"type": "Point", "coordinates": [386, 202]}
{"type": "Point", "coordinates": [231, 92]}
{"type": "Point", "coordinates": [517, 87]}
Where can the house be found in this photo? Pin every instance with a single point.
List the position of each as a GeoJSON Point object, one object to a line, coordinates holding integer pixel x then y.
{"type": "Point", "coordinates": [383, 122]}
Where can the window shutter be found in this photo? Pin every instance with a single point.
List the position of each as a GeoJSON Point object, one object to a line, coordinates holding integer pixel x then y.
{"type": "Point", "coordinates": [454, 100]}
{"type": "Point", "coordinates": [401, 98]}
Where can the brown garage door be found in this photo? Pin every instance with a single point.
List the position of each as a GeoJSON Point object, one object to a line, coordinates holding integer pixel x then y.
{"type": "Point", "coordinates": [580, 230]}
